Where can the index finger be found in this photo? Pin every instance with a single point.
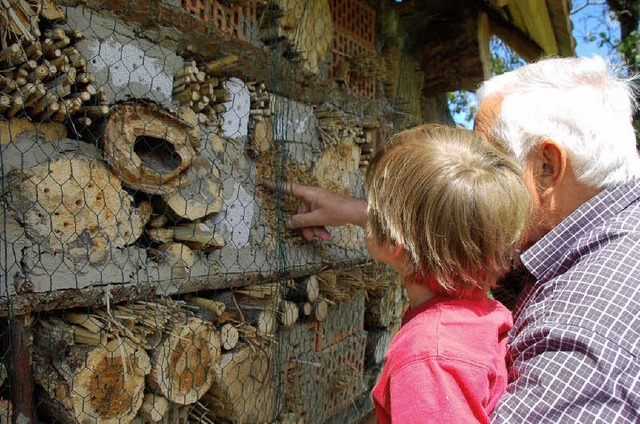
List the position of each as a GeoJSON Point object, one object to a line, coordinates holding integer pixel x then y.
{"type": "Point", "coordinates": [287, 187]}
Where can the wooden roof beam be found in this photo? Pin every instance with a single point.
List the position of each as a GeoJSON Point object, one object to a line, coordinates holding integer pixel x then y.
{"type": "Point", "coordinates": [515, 38]}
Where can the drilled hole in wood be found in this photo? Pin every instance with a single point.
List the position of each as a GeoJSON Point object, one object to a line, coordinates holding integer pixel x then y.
{"type": "Point", "coordinates": [157, 153]}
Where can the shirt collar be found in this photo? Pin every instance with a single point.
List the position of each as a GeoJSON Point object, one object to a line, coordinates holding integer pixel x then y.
{"type": "Point", "coordinates": [543, 259]}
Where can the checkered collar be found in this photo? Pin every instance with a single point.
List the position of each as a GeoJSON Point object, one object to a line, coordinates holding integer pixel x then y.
{"type": "Point", "coordinates": [544, 259]}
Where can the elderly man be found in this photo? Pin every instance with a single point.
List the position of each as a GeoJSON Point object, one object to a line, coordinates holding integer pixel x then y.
{"type": "Point", "coordinates": [575, 346]}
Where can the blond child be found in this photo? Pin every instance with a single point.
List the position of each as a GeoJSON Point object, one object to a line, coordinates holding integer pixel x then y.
{"type": "Point", "coordinates": [445, 209]}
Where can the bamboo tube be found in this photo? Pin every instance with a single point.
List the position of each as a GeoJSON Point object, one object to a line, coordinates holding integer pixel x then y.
{"type": "Point", "coordinates": [17, 105]}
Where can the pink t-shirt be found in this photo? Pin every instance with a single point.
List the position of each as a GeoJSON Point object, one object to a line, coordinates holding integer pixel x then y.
{"type": "Point", "coordinates": [446, 364]}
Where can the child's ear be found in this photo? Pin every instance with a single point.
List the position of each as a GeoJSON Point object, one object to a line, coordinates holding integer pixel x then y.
{"type": "Point", "coordinates": [396, 251]}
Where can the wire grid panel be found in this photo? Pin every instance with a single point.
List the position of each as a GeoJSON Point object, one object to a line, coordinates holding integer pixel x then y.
{"type": "Point", "coordinates": [139, 246]}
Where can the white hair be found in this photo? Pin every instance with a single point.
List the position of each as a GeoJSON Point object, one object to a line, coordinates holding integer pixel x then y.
{"type": "Point", "coordinates": [579, 104]}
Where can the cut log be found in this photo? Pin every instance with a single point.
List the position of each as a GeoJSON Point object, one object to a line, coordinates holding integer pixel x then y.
{"type": "Point", "coordinates": [244, 390]}
{"type": "Point", "coordinates": [320, 309]}
{"type": "Point", "coordinates": [145, 210]}
{"type": "Point", "coordinates": [154, 408]}
{"type": "Point", "coordinates": [68, 200]}
{"type": "Point", "coordinates": [288, 313]}
{"type": "Point", "coordinates": [384, 302]}
{"type": "Point", "coordinates": [182, 365]}
{"type": "Point", "coordinates": [99, 384]}
{"type": "Point", "coordinates": [160, 235]}
{"type": "Point", "coordinates": [305, 289]}
{"type": "Point", "coordinates": [54, 335]}
{"type": "Point", "coordinates": [229, 336]}
{"type": "Point", "coordinates": [305, 310]}
{"type": "Point", "coordinates": [177, 255]}
{"type": "Point", "coordinates": [147, 147]}
{"type": "Point", "coordinates": [262, 317]}
{"type": "Point", "coordinates": [52, 12]}
{"type": "Point", "coordinates": [199, 194]}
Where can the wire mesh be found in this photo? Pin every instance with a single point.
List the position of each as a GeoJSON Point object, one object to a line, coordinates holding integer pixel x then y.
{"type": "Point", "coordinates": [147, 274]}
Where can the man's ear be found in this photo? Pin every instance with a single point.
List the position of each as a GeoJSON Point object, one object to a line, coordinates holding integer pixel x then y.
{"type": "Point", "coordinates": [549, 165]}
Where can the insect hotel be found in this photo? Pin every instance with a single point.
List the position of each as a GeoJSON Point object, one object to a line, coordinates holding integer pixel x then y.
{"type": "Point", "coordinates": [147, 275]}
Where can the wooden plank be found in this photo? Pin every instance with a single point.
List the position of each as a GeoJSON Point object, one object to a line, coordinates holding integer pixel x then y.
{"type": "Point", "coordinates": [513, 36]}
{"type": "Point", "coordinates": [537, 23]}
{"type": "Point", "coordinates": [559, 11]}
{"type": "Point", "coordinates": [21, 304]}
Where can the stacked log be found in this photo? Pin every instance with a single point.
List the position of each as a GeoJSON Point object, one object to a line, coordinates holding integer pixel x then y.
{"type": "Point", "coordinates": [367, 142]}
{"type": "Point", "coordinates": [147, 147]}
{"type": "Point", "coordinates": [194, 235]}
{"type": "Point", "coordinates": [87, 382]}
{"type": "Point", "coordinates": [243, 391]}
{"type": "Point", "coordinates": [305, 292]}
{"type": "Point", "coordinates": [181, 364]}
{"type": "Point", "coordinates": [229, 334]}
{"type": "Point", "coordinates": [174, 348]}
{"type": "Point", "coordinates": [301, 31]}
{"type": "Point", "coordinates": [259, 313]}
{"type": "Point", "coordinates": [202, 89]}
{"type": "Point", "coordinates": [46, 79]}
{"type": "Point", "coordinates": [199, 194]}
{"type": "Point", "coordinates": [67, 198]}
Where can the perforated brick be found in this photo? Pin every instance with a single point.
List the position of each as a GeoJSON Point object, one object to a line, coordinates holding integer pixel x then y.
{"type": "Point", "coordinates": [236, 21]}
{"type": "Point", "coordinates": [355, 29]}
{"type": "Point", "coordinates": [355, 20]}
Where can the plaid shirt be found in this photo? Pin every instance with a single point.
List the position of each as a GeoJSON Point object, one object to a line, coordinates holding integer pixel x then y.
{"type": "Point", "coordinates": [575, 345]}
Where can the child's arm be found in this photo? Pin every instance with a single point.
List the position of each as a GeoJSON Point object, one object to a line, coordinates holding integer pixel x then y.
{"type": "Point", "coordinates": [321, 208]}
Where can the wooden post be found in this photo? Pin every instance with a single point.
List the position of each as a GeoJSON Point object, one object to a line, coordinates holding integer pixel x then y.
{"type": "Point", "coordinates": [21, 379]}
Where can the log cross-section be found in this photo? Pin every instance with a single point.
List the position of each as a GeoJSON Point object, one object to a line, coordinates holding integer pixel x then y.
{"type": "Point", "coordinates": [182, 365]}
{"type": "Point", "coordinates": [147, 147]}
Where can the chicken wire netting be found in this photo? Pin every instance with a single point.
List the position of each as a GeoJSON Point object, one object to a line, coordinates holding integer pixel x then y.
{"type": "Point", "coordinates": [147, 272]}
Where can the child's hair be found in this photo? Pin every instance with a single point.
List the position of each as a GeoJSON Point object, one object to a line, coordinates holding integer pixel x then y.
{"type": "Point", "coordinates": [457, 205]}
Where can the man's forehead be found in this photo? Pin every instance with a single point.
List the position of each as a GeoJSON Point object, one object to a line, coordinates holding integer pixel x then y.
{"type": "Point", "coordinates": [487, 114]}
